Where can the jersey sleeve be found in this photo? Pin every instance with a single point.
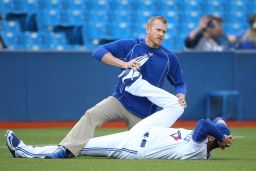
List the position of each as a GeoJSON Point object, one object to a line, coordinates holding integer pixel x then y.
{"type": "Point", "coordinates": [175, 75]}
{"type": "Point", "coordinates": [118, 49]}
{"type": "Point", "coordinates": [205, 127]}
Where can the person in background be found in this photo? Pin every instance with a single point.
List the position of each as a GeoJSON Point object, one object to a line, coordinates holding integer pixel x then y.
{"type": "Point", "coordinates": [208, 36]}
{"type": "Point", "coordinates": [247, 40]}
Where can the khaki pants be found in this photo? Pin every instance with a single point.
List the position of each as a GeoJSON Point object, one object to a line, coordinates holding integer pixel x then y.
{"type": "Point", "coordinates": [107, 110]}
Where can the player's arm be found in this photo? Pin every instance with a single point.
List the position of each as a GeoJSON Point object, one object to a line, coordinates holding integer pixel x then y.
{"type": "Point", "coordinates": [114, 53]}
{"type": "Point", "coordinates": [204, 128]}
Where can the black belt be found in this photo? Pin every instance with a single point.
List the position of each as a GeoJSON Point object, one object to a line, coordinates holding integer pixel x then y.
{"type": "Point", "coordinates": [144, 140]}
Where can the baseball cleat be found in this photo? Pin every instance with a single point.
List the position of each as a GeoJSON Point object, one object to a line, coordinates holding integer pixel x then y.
{"type": "Point", "coordinates": [142, 60]}
{"type": "Point", "coordinates": [12, 142]}
{"type": "Point", "coordinates": [60, 153]}
{"type": "Point", "coordinates": [129, 76]}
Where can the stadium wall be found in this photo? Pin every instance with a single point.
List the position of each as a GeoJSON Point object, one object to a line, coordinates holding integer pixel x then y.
{"type": "Point", "coordinates": [60, 86]}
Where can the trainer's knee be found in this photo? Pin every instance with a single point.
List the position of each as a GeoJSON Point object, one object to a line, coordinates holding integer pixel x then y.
{"type": "Point", "coordinates": [92, 117]}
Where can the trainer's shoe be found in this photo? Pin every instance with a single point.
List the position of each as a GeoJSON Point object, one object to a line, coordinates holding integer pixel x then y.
{"type": "Point", "coordinates": [59, 153]}
{"type": "Point", "coordinates": [12, 142]}
{"type": "Point", "coordinates": [129, 76]}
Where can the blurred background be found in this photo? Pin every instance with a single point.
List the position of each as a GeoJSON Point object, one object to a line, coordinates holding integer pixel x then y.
{"type": "Point", "coordinates": [84, 24]}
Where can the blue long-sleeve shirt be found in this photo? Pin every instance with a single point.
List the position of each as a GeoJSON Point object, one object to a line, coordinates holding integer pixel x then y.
{"type": "Point", "coordinates": [162, 63]}
{"type": "Point", "coordinates": [206, 127]}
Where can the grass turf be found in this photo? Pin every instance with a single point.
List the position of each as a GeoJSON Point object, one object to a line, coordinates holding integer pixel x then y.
{"type": "Point", "coordinates": [242, 155]}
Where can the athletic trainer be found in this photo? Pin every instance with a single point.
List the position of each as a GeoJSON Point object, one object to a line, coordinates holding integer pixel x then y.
{"type": "Point", "coordinates": [126, 54]}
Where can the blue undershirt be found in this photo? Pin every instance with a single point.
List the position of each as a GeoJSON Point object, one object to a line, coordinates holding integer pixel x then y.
{"type": "Point", "coordinates": [205, 127]}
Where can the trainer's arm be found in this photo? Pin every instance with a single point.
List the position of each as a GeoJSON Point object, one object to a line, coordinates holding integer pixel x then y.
{"type": "Point", "coordinates": [176, 78]}
{"type": "Point", "coordinates": [114, 53]}
{"type": "Point", "coordinates": [175, 75]}
{"type": "Point", "coordinates": [108, 58]}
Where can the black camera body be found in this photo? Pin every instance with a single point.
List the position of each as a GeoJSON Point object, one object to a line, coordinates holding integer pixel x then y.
{"type": "Point", "coordinates": [210, 24]}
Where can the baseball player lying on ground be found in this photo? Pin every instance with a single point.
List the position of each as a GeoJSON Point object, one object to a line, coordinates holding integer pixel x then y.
{"type": "Point", "coordinates": [151, 138]}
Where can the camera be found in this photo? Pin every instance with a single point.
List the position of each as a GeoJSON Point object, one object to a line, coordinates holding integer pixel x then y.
{"type": "Point", "coordinates": [210, 24]}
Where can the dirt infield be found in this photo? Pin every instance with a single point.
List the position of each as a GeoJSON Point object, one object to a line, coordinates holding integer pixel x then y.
{"type": "Point", "coordinates": [118, 124]}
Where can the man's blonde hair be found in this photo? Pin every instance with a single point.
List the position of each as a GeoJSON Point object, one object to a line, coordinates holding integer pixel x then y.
{"type": "Point", "coordinates": [160, 18]}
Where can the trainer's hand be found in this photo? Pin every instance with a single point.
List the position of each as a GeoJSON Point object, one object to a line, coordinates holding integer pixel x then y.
{"type": "Point", "coordinates": [132, 64]}
{"type": "Point", "coordinates": [227, 142]}
{"type": "Point", "coordinates": [182, 100]}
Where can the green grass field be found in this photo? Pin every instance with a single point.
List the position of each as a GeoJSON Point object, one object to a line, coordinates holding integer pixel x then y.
{"type": "Point", "coordinates": [242, 155]}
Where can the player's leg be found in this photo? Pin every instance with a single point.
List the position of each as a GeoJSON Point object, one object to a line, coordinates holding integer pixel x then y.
{"type": "Point", "coordinates": [124, 145]}
{"type": "Point", "coordinates": [106, 110]}
{"type": "Point", "coordinates": [19, 149]}
{"type": "Point", "coordinates": [163, 118]}
{"type": "Point", "coordinates": [27, 151]}
{"type": "Point", "coordinates": [107, 145]}
{"type": "Point", "coordinates": [171, 111]}
{"type": "Point", "coordinates": [156, 95]}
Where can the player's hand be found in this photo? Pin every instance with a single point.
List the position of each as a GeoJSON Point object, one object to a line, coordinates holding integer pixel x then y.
{"type": "Point", "coordinates": [132, 64]}
{"type": "Point", "coordinates": [227, 142]}
{"type": "Point", "coordinates": [182, 100]}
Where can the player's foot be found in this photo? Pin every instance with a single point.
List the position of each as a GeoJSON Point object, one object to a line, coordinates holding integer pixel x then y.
{"type": "Point", "coordinates": [142, 59]}
{"type": "Point", "coordinates": [129, 76]}
{"type": "Point", "coordinates": [60, 153]}
{"type": "Point", "coordinates": [12, 142]}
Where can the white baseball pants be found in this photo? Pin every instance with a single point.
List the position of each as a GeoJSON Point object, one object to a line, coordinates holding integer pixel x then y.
{"type": "Point", "coordinates": [124, 145]}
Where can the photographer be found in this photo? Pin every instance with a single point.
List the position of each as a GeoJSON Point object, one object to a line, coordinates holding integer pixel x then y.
{"type": "Point", "coordinates": [208, 36]}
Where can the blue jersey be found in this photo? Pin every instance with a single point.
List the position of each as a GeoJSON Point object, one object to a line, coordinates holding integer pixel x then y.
{"type": "Point", "coordinates": [162, 63]}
